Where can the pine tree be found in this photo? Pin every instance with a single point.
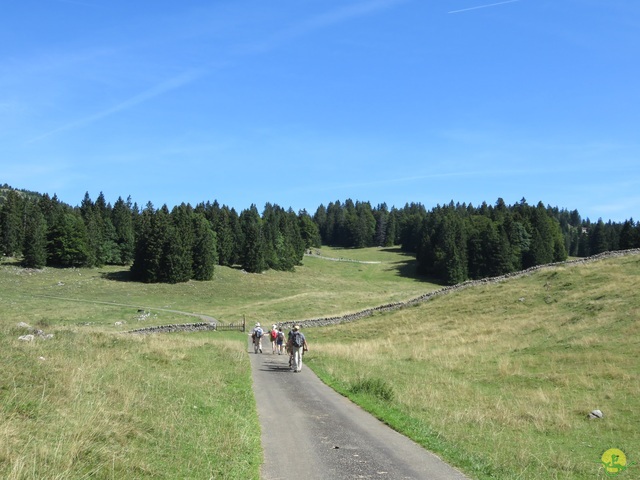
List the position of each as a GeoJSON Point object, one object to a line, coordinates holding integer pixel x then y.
{"type": "Point", "coordinates": [598, 239]}
{"type": "Point", "coordinates": [543, 233]}
{"type": "Point", "coordinates": [363, 226]}
{"type": "Point", "coordinates": [381, 215]}
{"type": "Point", "coordinates": [391, 229]}
{"type": "Point", "coordinates": [204, 252]}
{"type": "Point", "coordinates": [121, 218]}
{"type": "Point", "coordinates": [629, 235]}
{"type": "Point", "coordinates": [108, 252]}
{"type": "Point", "coordinates": [454, 248]}
{"type": "Point", "coordinates": [443, 249]}
{"type": "Point", "coordinates": [180, 246]}
{"type": "Point", "coordinates": [147, 263]}
{"type": "Point", "coordinates": [238, 235]}
{"type": "Point", "coordinates": [409, 225]}
{"type": "Point", "coordinates": [478, 248]}
{"type": "Point", "coordinates": [309, 230]}
{"type": "Point", "coordinates": [502, 254]}
{"type": "Point", "coordinates": [320, 219]}
{"type": "Point", "coordinates": [49, 207]}
{"type": "Point", "coordinates": [273, 241]}
{"type": "Point", "coordinates": [252, 254]}
{"type": "Point", "coordinates": [293, 245]}
{"type": "Point", "coordinates": [67, 242]}
{"type": "Point", "coordinates": [176, 256]}
{"type": "Point", "coordinates": [226, 241]}
{"type": "Point", "coordinates": [12, 213]}
{"type": "Point", "coordinates": [519, 242]}
{"type": "Point", "coordinates": [35, 238]}
{"type": "Point", "coordinates": [334, 227]}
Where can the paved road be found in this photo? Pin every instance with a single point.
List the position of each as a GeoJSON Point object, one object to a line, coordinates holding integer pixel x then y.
{"type": "Point", "coordinates": [311, 432]}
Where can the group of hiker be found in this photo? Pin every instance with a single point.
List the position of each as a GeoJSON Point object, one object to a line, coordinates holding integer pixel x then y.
{"type": "Point", "coordinates": [295, 344]}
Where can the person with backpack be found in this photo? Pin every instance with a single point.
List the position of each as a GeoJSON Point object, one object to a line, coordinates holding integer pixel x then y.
{"type": "Point", "coordinates": [280, 341]}
{"type": "Point", "coordinates": [256, 334]}
{"type": "Point", "coordinates": [289, 348]}
{"type": "Point", "coordinates": [273, 336]}
{"type": "Point", "coordinates": [298, 347]}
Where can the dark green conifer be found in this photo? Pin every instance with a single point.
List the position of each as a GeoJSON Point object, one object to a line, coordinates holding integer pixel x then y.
{"type": "Point", "coordinates": [35, 238]}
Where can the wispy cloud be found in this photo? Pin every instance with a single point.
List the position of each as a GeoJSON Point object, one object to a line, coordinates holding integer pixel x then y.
{"type": "Point", "coordinates": [155, 91]}
{"type": "Point", "coordinates": [304, 27]}
{"type": "Point", "coordinates": [483, 6]}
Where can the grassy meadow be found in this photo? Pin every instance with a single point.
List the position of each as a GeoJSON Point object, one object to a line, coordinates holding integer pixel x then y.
{"type": "Point", "coordinates": [94, 403]}
{"type": "Point", "coordinates": [103, 296]}
{"type": "Point", "coordinates": [497, 379]}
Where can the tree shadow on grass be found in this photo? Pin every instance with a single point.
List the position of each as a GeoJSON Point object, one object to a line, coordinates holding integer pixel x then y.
{"type": "Point", "coordinates": [119, 276]}
{"type": "Point", "coordinates": [407, 267]}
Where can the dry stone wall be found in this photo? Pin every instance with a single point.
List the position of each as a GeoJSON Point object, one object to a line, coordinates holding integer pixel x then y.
{"type": "Point", "coordinates": [325, 321]}
{"type": "Point", "coordinates": [321, 322]}
{"type": "Point", "coordinates": [182, 327]}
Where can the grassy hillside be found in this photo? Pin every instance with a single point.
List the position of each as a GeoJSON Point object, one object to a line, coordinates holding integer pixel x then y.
{"type": "Point", "coordinates": [93, 403]}
{"type": "Point", "coordinates": [104, 296]}
{"type": "Point", "coordinates": [121, 407]}
{"type": "Point", "coordinates": [498, 379]}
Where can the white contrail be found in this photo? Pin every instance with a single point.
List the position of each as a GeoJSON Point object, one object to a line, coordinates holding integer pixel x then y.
{"type": "Point", "coordinates": [482, 6]}
{"type": "Point", "coordinates": [155, 91]}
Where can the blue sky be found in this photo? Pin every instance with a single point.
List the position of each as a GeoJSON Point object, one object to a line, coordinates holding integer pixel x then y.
{"type": "Point", "coordinates": [304, 102]}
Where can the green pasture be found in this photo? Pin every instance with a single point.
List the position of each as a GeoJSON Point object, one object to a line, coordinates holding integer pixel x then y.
{"type": "Point", "coordinates": [497, 379]}
{"type": "Point", "coordinates": [103, 296]}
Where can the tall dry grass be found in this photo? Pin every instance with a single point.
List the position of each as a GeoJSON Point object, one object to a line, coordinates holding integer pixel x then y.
{"type": "Point", "coordinates": [104, 406]}
{"type": "Point", "coordinates": [499, 379]}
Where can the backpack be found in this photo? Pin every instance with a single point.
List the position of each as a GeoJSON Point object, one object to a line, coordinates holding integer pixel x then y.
{"type": "Point", "coordinates": [297, 340]}
{"type": "Point", "coordinates": [274, 334]}
{"type": "Point", "coordinates": [258, 332]}
{"type": "Point", "coordinates": [280, 335]}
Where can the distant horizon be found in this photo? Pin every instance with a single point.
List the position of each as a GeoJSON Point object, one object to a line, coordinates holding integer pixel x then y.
{"type": "Point", "coordinates": [303, 103]}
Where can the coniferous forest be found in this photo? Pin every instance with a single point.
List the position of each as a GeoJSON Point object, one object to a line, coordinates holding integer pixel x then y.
{"type": "Point", "coordinates": [452, 243]}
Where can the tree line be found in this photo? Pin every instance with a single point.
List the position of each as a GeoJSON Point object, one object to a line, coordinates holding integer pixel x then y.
{"type": "Point", "coordinates": [458, 242]}
{"type": "Point", "coordinates": [159, 245]}
{"type": "Point", "coordinates": [452, 243]}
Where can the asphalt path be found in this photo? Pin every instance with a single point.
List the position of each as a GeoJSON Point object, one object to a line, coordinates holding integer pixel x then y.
{"type": "Point", "coordinates": [309, 431]}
